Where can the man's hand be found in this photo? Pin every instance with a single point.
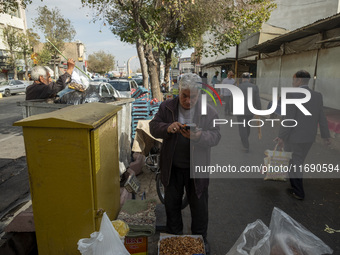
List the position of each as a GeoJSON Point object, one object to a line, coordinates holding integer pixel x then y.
{"type": "Point", "coordinates": [279, 141]}
{"type": "Point", "coordinates": [70, 65]}
{"type": "Point", "coordinates": [175, 127]}
{"type": "Point", "coordinates": [193, 135]}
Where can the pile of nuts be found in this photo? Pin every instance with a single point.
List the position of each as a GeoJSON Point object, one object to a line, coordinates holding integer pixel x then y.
{"type": "Point", "coordinates": [181, 245]}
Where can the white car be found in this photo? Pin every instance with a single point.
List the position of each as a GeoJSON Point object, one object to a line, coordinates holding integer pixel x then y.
{"type": "Point", "coordinates": [12, 87]}
{"type": "Point", "coordinates": [100, 79]}
{"type": "Point", "coordinates": [104, 89]}
{"type": "Point", "coordinates": [124, 86]}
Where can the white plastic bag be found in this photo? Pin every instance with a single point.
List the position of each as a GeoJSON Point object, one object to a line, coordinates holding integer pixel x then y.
{"type": "Point", "coordinates": [290, 238]}
{"type": "Point", "coordinates": [104, 242]}
{"type": "Point", "coordinates": [80, 78]}
{"type": "Point", "coordinates": [254, 240]}
{"type": "Point", "coordinates": [277, 164]}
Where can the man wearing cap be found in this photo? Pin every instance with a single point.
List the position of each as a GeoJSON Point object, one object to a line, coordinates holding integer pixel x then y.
{"type": "Point", "coordinates": [182, 150]}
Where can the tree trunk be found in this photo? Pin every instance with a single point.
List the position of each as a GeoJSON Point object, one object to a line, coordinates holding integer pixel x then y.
{"type": "Point", "coordinates": [156, 56]}
{"type": "Point", "coordinates": [167, 65]}
{"type": "Point", "coordinates": [153, 72]}
{"type": "Point", "coordinates": [142, 61]}
{"type": "Point", "coordinates": [15, 68]}
{"type": "Point", "coordinates": [26, 67]}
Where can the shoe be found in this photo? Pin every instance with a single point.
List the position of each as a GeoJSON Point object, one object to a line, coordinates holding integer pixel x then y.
{"type": "Point", "coordinates": [207, 246]}
{"type": "Point", "coordinates": [292, 194]}
{"type": "Point", "coordinates": [245, 149]}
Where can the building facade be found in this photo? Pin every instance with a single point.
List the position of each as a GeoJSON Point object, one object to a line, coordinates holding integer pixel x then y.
{"type": "Point", "coordinates": [289, 15]}
{"type": "Point", "coordinates": [75, 50]}
{"type": "Point", "coordinates": [16, 20]}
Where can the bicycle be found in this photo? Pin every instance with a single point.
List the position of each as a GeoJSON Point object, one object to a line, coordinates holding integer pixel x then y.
{"type": "Point", "coordinates": [152, 162]}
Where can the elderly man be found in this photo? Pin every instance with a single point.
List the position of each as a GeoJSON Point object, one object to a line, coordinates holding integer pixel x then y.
{"type": "Point", "coordinates": [181, 150]}
{"type": "Point", "coordinates": [43, 87]}
{"type": "Point", "coordinates": [299, 139]}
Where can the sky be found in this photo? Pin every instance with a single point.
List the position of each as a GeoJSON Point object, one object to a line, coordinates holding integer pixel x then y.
{"type": "Point", "coordinates": [87, 32]}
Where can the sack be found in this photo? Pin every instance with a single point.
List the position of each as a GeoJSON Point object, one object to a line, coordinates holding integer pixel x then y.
{"type": "Point", "coordinates": [254, 240]}
{"type": "Point", "coordinates": [277, 164]}
{"type": "Point", "coordinates": [104, 242]}
{"type": "Point", "coordinates": [288, 237]}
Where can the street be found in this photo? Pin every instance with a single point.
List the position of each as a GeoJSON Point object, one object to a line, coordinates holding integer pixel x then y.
{"type": "Point", "coordinates": [11, 141]}
{"type": "Point", "coordinates": [14, 186]}
{"type": "Point", "coordinates": [9, 113]}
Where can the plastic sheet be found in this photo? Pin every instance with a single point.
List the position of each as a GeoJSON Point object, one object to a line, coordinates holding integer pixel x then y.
{"type": "Point", "coordinates": [254, 240]}
{"type": "Point", "coordinates": [289, 237]}
{"type": "Point", "coordinates": [79, 77]}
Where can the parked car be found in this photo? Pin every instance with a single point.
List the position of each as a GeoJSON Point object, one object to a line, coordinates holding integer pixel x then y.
{"type": "Point", "coordinates": [96, 92]}
{"type": "Point", "coordinates": [124, 86]}
{"type": "Point", "coordinates": [101, 79]}
{"type": "Point", "coordinates": [105, 90]}
{"type": "Point", "coordinates": [139, 81]}
{"type": "Point", "coordinates": [12, 87]}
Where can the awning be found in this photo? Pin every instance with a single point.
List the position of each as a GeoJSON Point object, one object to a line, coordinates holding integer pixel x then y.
{"type": "Point", "coordinates": [227, 61]}
{"type": "Point", "coordinates": [308, 30]}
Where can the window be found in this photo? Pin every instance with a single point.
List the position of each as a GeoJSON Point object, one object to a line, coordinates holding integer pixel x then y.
{"type": "Point", "coordinates": [134, 85]}
{"type": "Point", "coordinates": [120, 85]}
{"type": "Point", "coordinates": [111, 90]}
{"type": "Point", "coordinates": [15, 13]}
{"type": "Point", "coordinates": [105, 92]}
{"type": "Point", "coordinates": [16, 82]}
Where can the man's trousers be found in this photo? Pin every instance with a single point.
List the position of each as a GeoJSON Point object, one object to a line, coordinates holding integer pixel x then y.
{"type": "Point", "coordinates": [300, 151]}
{"type": "Point", "coordinates": [180, 179]}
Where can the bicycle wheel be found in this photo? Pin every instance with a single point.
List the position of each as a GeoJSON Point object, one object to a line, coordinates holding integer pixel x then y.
{"type": "Point", "coordinates": [151, 162]}
{"type": "Point", "coordinates": [160, 192]}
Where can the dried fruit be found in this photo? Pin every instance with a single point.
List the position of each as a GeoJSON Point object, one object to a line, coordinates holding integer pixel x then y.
{"type": "Point", "coordinates": [181, 245]}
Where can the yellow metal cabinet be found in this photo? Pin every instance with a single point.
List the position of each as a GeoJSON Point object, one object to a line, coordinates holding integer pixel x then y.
{"type": "Point", "coordinates": [72, 158]}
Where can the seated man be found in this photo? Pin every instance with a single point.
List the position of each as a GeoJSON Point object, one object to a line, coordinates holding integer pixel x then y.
{"type": "Point", "coordinates": [43, 87]}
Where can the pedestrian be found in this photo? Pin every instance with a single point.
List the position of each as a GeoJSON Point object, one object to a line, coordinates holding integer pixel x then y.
{"type": "Point", "coordinates": [205, 78]}
{"type": "Point", "coordinates": [244, 128]}
{"type": "Point", "coordinates": [43, 87]}
{"type": "Point", "coordinates": [176, 160]}
{"type": "Point", "coordinates": [226, 93]}
{"type": "Point", "coordinates": [299, 139]}
{"type": "Point", "coordinates": [214, 79]}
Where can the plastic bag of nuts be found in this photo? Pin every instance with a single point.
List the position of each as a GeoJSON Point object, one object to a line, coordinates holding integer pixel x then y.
{"type": "Point", "coordinates": [181, 245]}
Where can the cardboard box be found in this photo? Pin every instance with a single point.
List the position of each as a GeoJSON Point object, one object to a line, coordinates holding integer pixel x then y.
{"type": "Point", "coordinates": [164, 236]}
{"type": "Point", "coordinates": [137, 245]}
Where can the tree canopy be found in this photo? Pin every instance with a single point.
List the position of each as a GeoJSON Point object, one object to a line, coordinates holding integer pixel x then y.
{"type": "Point", "coordinates": [162, 25]}
{"type": "Point", "coordinates": [9, 6]}
{"type": "Point", "coordinates": [56, 29]}
{"type": "Point", "coordinates": [100, 62]}
{"type": "Point", "coordinates": [11, 38]}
